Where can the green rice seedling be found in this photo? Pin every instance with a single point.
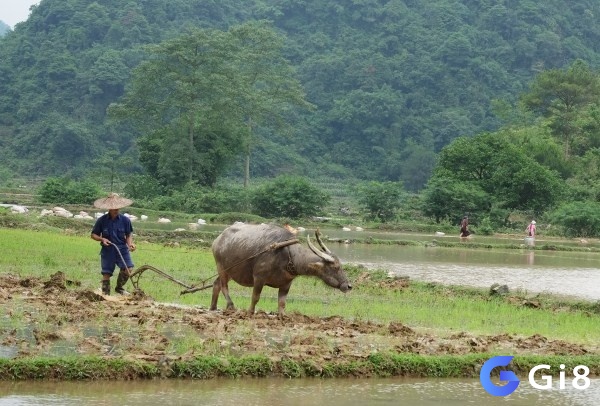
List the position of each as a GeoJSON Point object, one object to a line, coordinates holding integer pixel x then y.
{"type": "Point", "coordinates": [420, 305]}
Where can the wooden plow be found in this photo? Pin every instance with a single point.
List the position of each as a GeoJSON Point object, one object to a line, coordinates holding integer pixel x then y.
{"type": "Point", "coordinates": [137, 274]}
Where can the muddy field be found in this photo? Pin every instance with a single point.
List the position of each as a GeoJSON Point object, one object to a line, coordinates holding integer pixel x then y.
{"type": "Point", "coordinates": [56, 317]}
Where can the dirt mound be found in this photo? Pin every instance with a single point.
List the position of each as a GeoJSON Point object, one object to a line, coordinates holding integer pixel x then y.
{"type": "Point", "coordinates": [56, 312]}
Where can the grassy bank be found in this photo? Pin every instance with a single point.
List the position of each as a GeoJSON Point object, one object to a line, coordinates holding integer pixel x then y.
{"type": "Point", "coordinates": [376, 365]}
{"type": "Point", "coordinates": [384, 327]}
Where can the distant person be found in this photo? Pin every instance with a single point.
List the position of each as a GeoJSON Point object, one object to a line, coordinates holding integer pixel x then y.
{"type": "Point", "coordinates": [114, 231]}
{"type": "Point", "coordinates": [531, 229]}
{"type": "Point", "coordinates": [464, 227]}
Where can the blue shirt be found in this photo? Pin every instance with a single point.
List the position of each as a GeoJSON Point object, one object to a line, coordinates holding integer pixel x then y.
{"type": "Point", "coordinates": [116, 230]}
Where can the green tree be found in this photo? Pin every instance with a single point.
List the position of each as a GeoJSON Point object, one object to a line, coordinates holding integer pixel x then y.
{"type": "Point", "coordinates": [67, 191]}
{"type": "Point", "coordinates": [446, 198]}
{"type": "Point", "coordinates": [578, 219]}
{"type": "Point", "coordinates": [272, 89]}
{"type": "Point", "coordinates": [178, 92]}
{"type": "Point", "coordinates": [560, 94]}
{"type": "Point", "coordinates": [380, 200]}
{"type": "Point", "coordinates": [288, 196]}
{"type": "Point", "coordinates": [499, 168]}
{"type": "Point", "coordinates": [202, 92]}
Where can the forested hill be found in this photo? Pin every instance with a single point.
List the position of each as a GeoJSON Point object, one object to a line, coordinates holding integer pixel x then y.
{"type": "Point", "coordinates": [393, 81]}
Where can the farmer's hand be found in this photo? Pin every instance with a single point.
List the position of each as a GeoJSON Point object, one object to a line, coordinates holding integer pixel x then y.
{"type": "Point", "coordinates": [132, 247]}
{"type": "Point", "coordinates": [105, 241]}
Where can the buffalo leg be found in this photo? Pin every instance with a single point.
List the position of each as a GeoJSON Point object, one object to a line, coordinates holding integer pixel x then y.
{"type": "Point", "coordinates": [225, 290]}
{"type": "Point", "coordinates": [256, 291]}
{"type": "Point", "coordinates": [281, 296]}
{"type": "Point", "coordinates": [215, 294]}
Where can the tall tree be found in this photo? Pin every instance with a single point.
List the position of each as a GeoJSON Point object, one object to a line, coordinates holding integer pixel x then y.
{"type": "Point", "coordinates": [272, 88]}
{"type": "Point", "coordinates": [203, 91]}
{"type": "Point", "coordinates": [560, 95]}
{"type": "Point", "coordinates": [172, 95]}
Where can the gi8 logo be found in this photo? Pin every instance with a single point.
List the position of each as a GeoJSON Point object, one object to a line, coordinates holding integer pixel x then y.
{"type": "Point", "coordinates": [489, 386]}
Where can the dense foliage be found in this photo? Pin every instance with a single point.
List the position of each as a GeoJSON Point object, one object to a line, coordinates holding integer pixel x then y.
{"type": "Point", "coordinates": [289, 196]}
{"type": "Point", "coordinates": [393, 81]}
{"type": "Point", "coordinates": [380, 200]}
{"type": "Point", "coordinates": [578, 219]}
{"type": "Point", "coordinates": [485, 108]}
{"type": "Point", "coordinates": [198, 97]}
{"type": "Point", "coordinates": [64, 190]}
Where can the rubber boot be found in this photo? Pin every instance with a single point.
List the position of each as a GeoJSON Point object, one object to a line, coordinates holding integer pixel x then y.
{"type": "Point", "coordinates": [106, 287]}
{"type": "Point", "coordinates": [121, 281]}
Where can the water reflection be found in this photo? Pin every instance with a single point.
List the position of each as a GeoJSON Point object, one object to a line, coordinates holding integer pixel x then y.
{"type": "Point", "coordinates": [300, 392]}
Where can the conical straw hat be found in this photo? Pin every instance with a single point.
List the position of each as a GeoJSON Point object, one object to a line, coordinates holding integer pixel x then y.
{"type": "Point", "coordinates": [113, 201]}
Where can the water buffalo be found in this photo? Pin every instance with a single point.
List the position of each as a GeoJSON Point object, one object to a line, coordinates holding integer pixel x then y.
{"type": "Point", "coordinates": [266, 254]}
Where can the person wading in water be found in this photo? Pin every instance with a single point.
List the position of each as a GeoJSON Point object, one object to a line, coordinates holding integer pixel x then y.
{"type": "Point", "coordinates": [464, 227]}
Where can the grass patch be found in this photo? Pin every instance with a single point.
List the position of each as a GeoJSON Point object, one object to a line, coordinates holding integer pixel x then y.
{"type": "Point", "coordinates": [208, 367]}
{"type": "Point", "coordinates": [424, 307]}
{"type": "Point", "coordinates": [420, 305]}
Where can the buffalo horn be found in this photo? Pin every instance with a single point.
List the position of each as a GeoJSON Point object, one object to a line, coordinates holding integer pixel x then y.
{"type": "Point", "coordinates": [318, 234]}
{"type": "Point", "coordinates": [324, 256]}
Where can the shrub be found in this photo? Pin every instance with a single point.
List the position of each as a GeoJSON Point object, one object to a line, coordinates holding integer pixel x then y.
{"type": "Point", "coordinates": [381, 200]}
{"type": "Point", "coordinates": [143, 187]}
{"type": "Point", "coordinates": [196, 199]}
{"type": "Point", "coordinates": [288, 196]}
{"type": "Point", "coordinates": [62, 190]}
{"type": "Point", "coordinates": [578, 219]}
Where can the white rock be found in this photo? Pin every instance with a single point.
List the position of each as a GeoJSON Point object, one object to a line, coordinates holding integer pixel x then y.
{"type": "Point", "coordinates": [346, 229]}
{"type": "Point", "coordinates": [131, 217]}
{"type": "Point", "coordinates": [164, 220]}
{"type": "Point", "coordinates": [46, 212]}
{"type": "Point", "coordinates": [301, 229]}
{"type": "Point", "coordinates": [179, 229]}
{"type": "Point", "coordinates": [360, 229]}
{"type": "Point", "coordinates": [193, 226]}
{"type": "Point", "coordinates": [201, 221]}
{"type": "Point", "coordinates": [19, 209]}
{"type": "Point", "coordinates": [439, 233]}
{"type": "Point", "coordinates": [144, 217]}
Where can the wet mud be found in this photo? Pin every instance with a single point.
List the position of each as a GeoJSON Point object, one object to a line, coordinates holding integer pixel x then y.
{"type": "Point", "coordinates": [57, 316]}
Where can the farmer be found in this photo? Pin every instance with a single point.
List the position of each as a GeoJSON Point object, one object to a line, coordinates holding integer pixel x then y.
{"type": "Point", "coordinates": [114, 231]}
{"type": "Point", "coordinates": [531, 229]}
{"type": "Point", "coordinates": [464, 227]}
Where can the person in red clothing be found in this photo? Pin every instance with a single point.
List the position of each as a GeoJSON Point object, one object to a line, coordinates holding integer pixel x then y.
{"type": "Point", "coordinates": [531, 229]}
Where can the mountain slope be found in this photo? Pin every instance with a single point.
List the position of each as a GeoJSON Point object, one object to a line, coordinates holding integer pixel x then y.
{"type": "Point", "coordinates": [394, 81]}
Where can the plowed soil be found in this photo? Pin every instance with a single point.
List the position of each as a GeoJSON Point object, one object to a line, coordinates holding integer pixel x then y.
{"type": "Point", "coordinates": [55, 316]}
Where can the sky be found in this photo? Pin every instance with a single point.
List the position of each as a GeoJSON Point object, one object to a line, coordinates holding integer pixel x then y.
{"type": "Point", "coordinates": [15, 11]}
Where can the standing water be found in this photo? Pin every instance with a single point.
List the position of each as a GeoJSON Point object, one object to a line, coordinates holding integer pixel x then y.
{"type": "Point", "coordinates": [568, 273]}
{"type": "Point", "coordinates": [289, 392]}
